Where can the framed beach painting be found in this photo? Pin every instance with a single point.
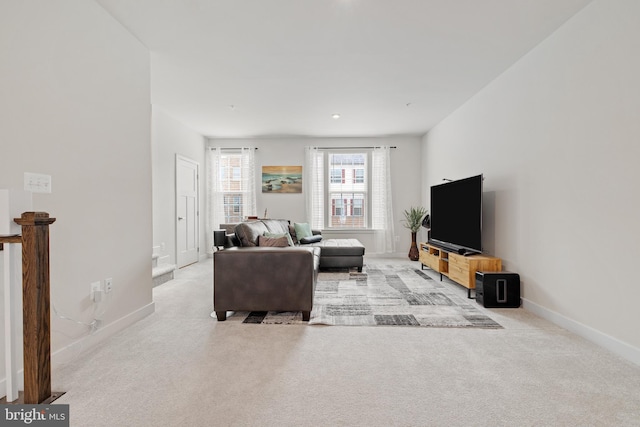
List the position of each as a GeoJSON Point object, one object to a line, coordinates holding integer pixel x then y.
{"type": "Point", "coordinates": [282, 179]}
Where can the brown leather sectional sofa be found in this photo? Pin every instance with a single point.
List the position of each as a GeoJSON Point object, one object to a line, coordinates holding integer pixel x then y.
{"type": "Point", "coordinates": [248, 277]}
{"type": "Point", "coordinates": [253, 278]}
{"type": "Point", "coordinates": [265, 279]}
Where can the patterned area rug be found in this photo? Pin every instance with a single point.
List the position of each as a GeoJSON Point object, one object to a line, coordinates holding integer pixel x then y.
{"type": "Point", "coordinates": [382, 296]}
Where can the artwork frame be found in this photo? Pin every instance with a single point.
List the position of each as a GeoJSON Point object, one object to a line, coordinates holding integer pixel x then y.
{"type": "Point", "coordinates": [282, 179]}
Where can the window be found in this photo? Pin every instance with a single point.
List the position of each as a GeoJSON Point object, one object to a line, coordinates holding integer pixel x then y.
{"type": "Point", "coordinates": [232, 207]}
{"type": "Point", "coordinates": [337, 176]}
{"type": "Point", "coordinates": [347, 190]}
{"type": "Point", "coordinates": [351, 190]}
{"type": "Point", "coordinates": [357, 207]}
{"type": "Point", "coordinates": [337, 206]}
{"type": "Point", "coordinates": [236, 173]}
{"type": "Point", "coordinates": [231, 184]}
{"type": "Point", "coordinates": [359, 176]}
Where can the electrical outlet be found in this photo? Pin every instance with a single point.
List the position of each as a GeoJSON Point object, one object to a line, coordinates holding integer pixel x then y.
{"type": "Point", "coordinates": [108, 284]}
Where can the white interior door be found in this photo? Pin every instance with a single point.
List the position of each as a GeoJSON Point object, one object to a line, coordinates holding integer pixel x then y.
{"type": "Point", "coordinates": [187, 212]}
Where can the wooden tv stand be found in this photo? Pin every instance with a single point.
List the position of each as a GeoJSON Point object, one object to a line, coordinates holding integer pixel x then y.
{"type": "Point", "coordinates": [459, 268]}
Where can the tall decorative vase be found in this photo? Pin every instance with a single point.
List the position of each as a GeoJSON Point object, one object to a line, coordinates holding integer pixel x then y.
{"type": "Point", "coordinates": [413, 251]}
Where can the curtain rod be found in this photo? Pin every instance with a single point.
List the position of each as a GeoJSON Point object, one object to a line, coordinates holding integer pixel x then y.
{"type": "Point", "coordinates": [319, 148]}
{"type": "Point", "coordinates": [231, 148]}
{"type": "Point", "coordinates": [349, 148]}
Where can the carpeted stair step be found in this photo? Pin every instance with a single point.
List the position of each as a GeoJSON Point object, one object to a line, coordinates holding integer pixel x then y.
{"type": "Point", "coordinates": [162, 274]}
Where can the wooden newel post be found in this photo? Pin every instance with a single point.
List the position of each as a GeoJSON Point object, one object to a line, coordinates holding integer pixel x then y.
{"type": "Point", "coordinates": [35, 305]}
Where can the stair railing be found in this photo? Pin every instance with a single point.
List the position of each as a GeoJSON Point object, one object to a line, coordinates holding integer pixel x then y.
{"type": "Point", "coordinates": [35, 304]}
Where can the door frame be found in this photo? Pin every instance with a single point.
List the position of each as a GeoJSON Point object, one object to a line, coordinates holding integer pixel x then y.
{"type": "Point", "coordinates": [181, 158]}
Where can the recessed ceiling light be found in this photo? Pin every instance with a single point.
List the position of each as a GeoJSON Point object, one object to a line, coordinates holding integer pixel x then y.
{"type": "Point", "coordinates": [335, 116]}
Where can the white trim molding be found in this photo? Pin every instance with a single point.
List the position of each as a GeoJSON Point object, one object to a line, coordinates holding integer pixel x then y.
{"type": "Point", "coordinates": [612, 344]}
{"type": "Point", "coordinates": [70, 352]}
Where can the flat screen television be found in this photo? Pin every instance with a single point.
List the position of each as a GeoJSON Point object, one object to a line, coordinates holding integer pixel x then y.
{"type": "Point", "coordinates": [456, 215]}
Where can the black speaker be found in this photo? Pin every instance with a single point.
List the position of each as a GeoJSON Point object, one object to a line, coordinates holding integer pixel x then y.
{"type": "Point", "coordinates": [498, 289]}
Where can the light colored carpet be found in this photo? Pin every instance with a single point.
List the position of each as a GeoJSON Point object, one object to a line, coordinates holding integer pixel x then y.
{"type": "Point", "coordinates": [180, 367]}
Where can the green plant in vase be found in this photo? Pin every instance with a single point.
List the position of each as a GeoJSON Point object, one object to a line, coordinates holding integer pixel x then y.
{"type": "Point", "coordinates": [413, 220]}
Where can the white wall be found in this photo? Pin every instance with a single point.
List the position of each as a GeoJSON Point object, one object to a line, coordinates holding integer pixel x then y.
{"type": "Point", "coordinates": [74, 104]}
{"type": "Point", "coordinates": [289, 151]}
{"type": "Point", "coordinates": [171, 138]}
{"type": "Point", "coordinates": [557, 138]}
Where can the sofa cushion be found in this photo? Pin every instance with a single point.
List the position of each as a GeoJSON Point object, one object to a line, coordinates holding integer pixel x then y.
{"type": "Point", "coordinates": [276, 225]}
{"type": "Point", "coordinates": [248, 232]}
{"type": "Point", "coordinates": [276, 235]}
{"type": "Point", "coordinates": [340, 247]}
{"type": "Point", "coordinates": [278, 242]}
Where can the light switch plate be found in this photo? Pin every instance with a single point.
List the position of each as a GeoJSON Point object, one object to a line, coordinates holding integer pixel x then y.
{"type": "Point", "coordinates": [37, 182]}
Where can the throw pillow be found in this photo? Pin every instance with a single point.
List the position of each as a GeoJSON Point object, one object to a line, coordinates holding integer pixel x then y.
{"type": "Point", "coordinates": [302, 230]}
{"type": "Point", "coordinates": [277, 242]}
{"type": "Point", "coordinates": [311, 239]}
{"type": "Point", "coordinates": [276, 235]}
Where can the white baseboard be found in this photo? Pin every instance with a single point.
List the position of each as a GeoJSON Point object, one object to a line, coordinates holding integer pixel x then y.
{"type": "Point", "coordinates": [612, 344]}
{"type": "Point", "coordinates": [69, 352]}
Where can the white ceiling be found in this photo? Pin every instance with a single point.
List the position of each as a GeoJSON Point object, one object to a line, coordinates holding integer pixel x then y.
{"type": "Point", "coordinates": [388, 67]}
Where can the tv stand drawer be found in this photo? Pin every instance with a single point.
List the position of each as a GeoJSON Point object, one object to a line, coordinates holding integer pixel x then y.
{"type": "Point", "coordinates": [461, 275]}
{"type": "Point", "coordinates": [460, 260]}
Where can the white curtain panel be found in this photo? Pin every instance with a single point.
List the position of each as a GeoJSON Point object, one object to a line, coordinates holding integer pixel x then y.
{"type": "Point", "coordinates": [313, 185]}
{"type": "Point", "coordinates": [214, 196]}
{"type": "Point", "coordinates": [248, 175]}
{"type": "Point", "coordinates": [381, 201]}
